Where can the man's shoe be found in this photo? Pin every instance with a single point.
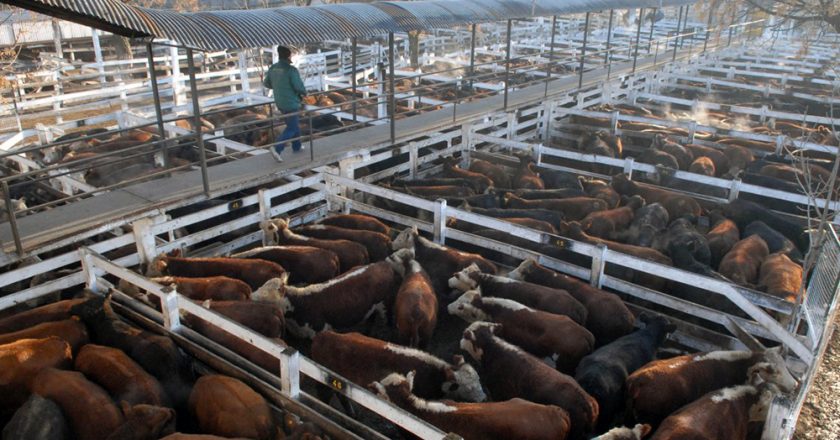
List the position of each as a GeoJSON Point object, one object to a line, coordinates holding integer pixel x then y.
{"type": "Point", "coordinates": [276, 155]}
{"type": "Point", "coordinates": [299, 149]}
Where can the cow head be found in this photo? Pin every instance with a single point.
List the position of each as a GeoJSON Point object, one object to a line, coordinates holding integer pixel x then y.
{"type": "Point", "coordinates": [465, 307]}
{"type": "Point", "coordinates": [157, 268]}
{"type": "Point", "coordinates": [273, 228]}
{"type": "Point", "coordinates": [464, 280]}
{"type": "Point", "coordinates": [522, 270]}
{"type": "Point", "coordinates": [772, 369]}
{"type": "Point", "coordinates": [398, 260]}
{"type": "Point", "coordinates": [274, 290]}
{"type": "Point", "coordinates": [475, 336]}
{"type": "Point", "coordinates": [624, 433]}
{"type": "Point", "coordinates": [767, 392]}
{"type": "Point", "coordinates": [395, 386]}
{"type": "Point", "coordinates": [405, 239]}
{"type": "Point", "coordinates": [462, 382]}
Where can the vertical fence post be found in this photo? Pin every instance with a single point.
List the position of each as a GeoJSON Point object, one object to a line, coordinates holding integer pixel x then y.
{"type": "Point", "coordinates": [199, 136]}
{"type": "Point", "coordinates": [144, 239]}
{"type": "Point", "coordinates": [392, 108]}
{"type": "Point", "coordinates": [608, 56]}
{"type": "Point", "coordinates": [353, 79]}
{"type": "Point", "coordinates": [97, 55]}
{"type": "Point", "coordinates": [466, 144]}
{"type": "Point", "coordinates": [650, 36]}
{"type": "Point", "coordinates": [708, 31]}
{"type": "Point", "coordinates": [243, 73]}
{"type": "Point", "coordinates": [290, 372]}
{"type": "Point", "coordinates": [550, 63]}
{"type": "Point", "coordinates": [412, 159]}
{"type": "Point", "coordinates": [598, 263]}
{"type": "Point", "coordinates": [158, 110]}
{"type": "Point", "coordinates": [680, 24]}
{"type": "Point", "coordinates": [265, 213]}
{"type": "Point", "coordinates": [583, 51]}
{"type": "Point", "coordinates": [472, 55]}
{"type": "Point", "coordinates": [10, 211]}
{"type": "Point", "coordinates": [440, 221]}
{"type": "Point", "coordinates": [171, 312]}
{"type": "Point", "coordinates": [507, 63]}
{"type": "Point", "coordinates": [638, 37]}
{"type": "Point", "coordinates": [89, 269]}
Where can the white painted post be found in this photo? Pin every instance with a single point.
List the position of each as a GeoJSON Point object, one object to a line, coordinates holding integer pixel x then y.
{"type": "Point", "coordinates": [440, 221]}
{"type": "Point", "coordinates": [466, 144]}
{"type": "Point", "coordinates": [734, 189]}
{"type": "Point", "coordinates": [171, 312]}
{"type": "Point", "coordinates": [243, 74]}
{"type": "Point", "coordinates": [548, 117]}
{"type": "Point", "coordinates": [412, 159]}
{"type": "Point", "coordinates": [538, 149]}
{"type": "Point", "coordinates": [511, 125]}
{"type": "Point", "coordinates": [265, 213]}
{"type": "Point", "coordinates": [598, 262]}
{"type": "Point", "coordinates": [628, 166]}
{"type": "Point", "coordinates": [89, 269]}
{"type": "Point", "coordinates": [177, 88]}
{"type": "Point", "coordinates": [614, 122]}
{"type": "Point", "coordinates": [97, 53]}
{"type": "Point", "coordinates": [144, 239]}
{"type": "Point", "coordinates": [290, 372]}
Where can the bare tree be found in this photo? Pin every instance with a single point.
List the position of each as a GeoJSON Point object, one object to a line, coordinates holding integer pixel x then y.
{"type": "Point", "coordinates": [802, 11]}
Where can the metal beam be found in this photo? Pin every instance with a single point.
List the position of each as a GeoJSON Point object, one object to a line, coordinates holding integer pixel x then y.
{"type": "Point", "coordinates": [550, 62]}
{"type": "Point", "coordinates": [638, 37]}
{"type": "Point", "coordinates": [353, 80]}
{"type": "Point", "coordinates": [199, 137]}
{"type": "Point", "coordinates": [158, 110]}
{"type": "Point", "coordinates": [392, 110]}
{"type": "Point", "coordinates": [507, 63]}
{"type": "Point", "coordinates": [472, 54]}
{"type": "Point", "coordinates": [583, 50]}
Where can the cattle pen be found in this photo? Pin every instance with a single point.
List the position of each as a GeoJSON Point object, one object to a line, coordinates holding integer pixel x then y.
{"type": "Point", "coordinates": [108, 164]}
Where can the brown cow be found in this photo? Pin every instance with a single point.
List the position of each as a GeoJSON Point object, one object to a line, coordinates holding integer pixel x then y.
{"type": "Point", "coordinates": [451, 169]}
{"type": "Point", "coordinates": [738, 157]}
{"type": "Point", "coordinates": [511, 419]}
{"type": "Point", "coordinates": [575, 232]}
{"type": "Point", "coordinates": [22, 360]}
{"type": "Point", "coordinates": [339, 303]}
{"type": "Point", "coordinates": [440, 191]}
{"type": "Point", "coordinates": [71, 330]}
{"type": "Point", "coordinates": [573, 208]}
{"type": "Point", "coordinates": [263, 317]}
{"type": "Point", "coordinates": [144, 422]}
{"type": "Point", "coordinates": [606, 224]}
{"type": "Point", "coordinates": [38, 418]}
{"type": "Point", "coordinates": [77, 396]}
{"type": "Point", "coordinates": [416, 304]}
{"type": "Point", "coordinates": [356, 221]}
{"type": "Point", "coordinates": [543, 334]}
{"type": "Point", "coordinates": [350, 254]}
{"type": "Point", "coordinates": [539, 297]}
{"type": "Point", "coordinates": [182, 436]}
{"type": "Point", "coordinates": [227, 407]}
{"type": "Point", "coordinates": [522, 221]}
{"type": "Point", "coordinates": [496, 173]}
{"type": "Point", "coordinates": [601, 190]}
{"type": "Point", "coordinates": [780, 277]}
{"type": "Point", "coordinates": [439, 261]}
{"type": "Point", "coordinates": [219, 288]}
{"type": "Point", "coordinates": [378, 245]}
{"type": "Point", "coordinates": [254, 272]}
{"type": "Point", "coordinates": [718, 158]}
{"type": "Point", "coordinates": [703, 165]}
{"type": "Point", "coordinates": [306, 264]}
{"type": "Point", "coordinates": [676, 204]}
{"type": "Point", "coordinates": [721, 414]}
{"type": "Point", "coordinates": [56, 311]}
{"type": "Point", "coordinates": [123, 378]}
{"type": "Point", "coordinates": [660, 387]}
{"type": "Point", "coordinates": [511, 372]}
{"type": "Point", "coordinates": [608, 318]}
{"type": "Point", "coordinates": [721, 238]}
{"type": "Point", "coordinates": [362, 359]}
{"type": "Point", "coordinates": [526, 175]}
{"type": "Point", "coordinates": [743, 262]}
{"type": "Point", "coordinates": [233, 343]}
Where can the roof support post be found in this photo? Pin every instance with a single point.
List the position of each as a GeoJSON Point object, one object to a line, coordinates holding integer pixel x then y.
{"type": "Point", "coordinates": [650, 35]}
{"type": "Point", "coordinates": [472, 54]}
{"type": "Point", "coordinates": [608, 56]}
{"type": "Point", "coordinates": [685, 25]}
{"type": "Point", "coordinates": [392, 108]}
{"type": "Point", "coordinates": [97, 54]}
{"type": "Point", "coordinates": [199, 137]}
{"type": "Point", "coordinates": [158, 111]}
{"type": "Point", "coordinates": [680, 24]}
{"type": "Point", "coordinates": [583, 50]}
{"type": "Point", "coordinates": [353, 80]}
{"type": "Point", "coordinates": [177, 86]}
{"type": "Point", "coordinates": [507, 62]}
{"type": "Point", "coordinates": [638, 37]}
{"type": "Point", "coordinates": [550, 63]}
{"type": "Point", "coordinates": [10, 211]}
{"type": "Point", "coordinates": [708, 31]}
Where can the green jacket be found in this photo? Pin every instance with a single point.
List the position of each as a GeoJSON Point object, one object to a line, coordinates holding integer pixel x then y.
{"type": "Point", "coordinates": [284, 79]}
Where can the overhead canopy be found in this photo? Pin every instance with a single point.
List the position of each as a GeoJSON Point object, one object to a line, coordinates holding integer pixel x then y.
{"type": "Point", "coordinates": [218, 30]}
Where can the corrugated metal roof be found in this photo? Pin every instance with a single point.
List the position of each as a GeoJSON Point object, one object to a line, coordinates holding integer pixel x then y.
{"type": "Point", "coordinates": [215, 30]}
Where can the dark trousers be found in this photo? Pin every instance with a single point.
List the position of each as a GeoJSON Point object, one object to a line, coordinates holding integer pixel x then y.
{"type": "Point", "coordinates": [292, 131]}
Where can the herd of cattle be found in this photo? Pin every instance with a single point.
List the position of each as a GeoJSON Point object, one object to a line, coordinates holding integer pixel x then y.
{"type": "Point", "coordinates": [74, 369]}
{"type": "Point", "coordinates": [551, 355]}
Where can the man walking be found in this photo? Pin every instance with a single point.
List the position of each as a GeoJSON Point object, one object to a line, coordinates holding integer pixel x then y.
{"type": "Point", "coordinates": [288, 88]}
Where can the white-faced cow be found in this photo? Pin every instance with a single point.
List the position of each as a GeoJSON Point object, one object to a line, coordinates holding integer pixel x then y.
{"type": "Point", "coordinates": [361, 359]}
{"type": "Point", "coordinates": [532, 295]}
{"type": "Point", "coordinates": [339, 303]}
{"type": "Point", "coordinates": [416, 305]}
{"type": "Point", "coordinates": [638, 432]}
{"type": "Point", "coordinates": [439, 261]}
{"type": "Point", "coordinates": [511, 419]}
{"type": "Point", "coordinates": [511, 372]}
{"type": "Point", "coordinates": [543, 334]}
{"type": "Point", "coordinates": [306, 264]}
{"type": "Point", "coordinates": [350, 254]}
{"type": "Point", "coordinates": [662, 386]}
{"type": "Point", "coordinates": [607, 316]}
